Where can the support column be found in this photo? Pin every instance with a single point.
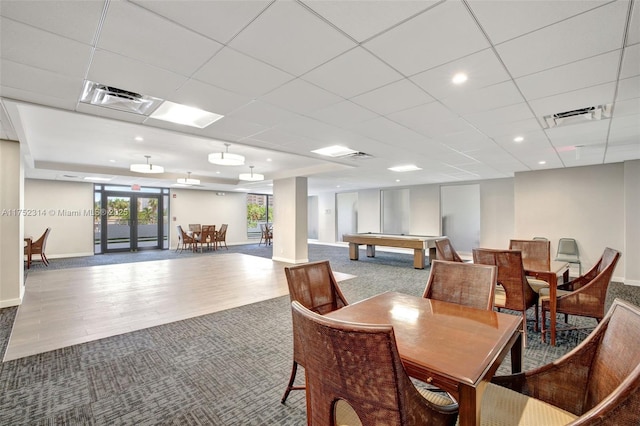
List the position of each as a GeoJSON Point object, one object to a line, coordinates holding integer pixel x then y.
{"type": "Point", "coordinates": [290, 220]}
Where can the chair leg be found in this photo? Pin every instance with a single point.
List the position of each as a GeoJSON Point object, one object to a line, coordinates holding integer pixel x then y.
{"type": "Point", "coordinates": [44, 259]}
{"type": "Point", "coordinates": [290, 387]}
{"type": "Point", "coordinates": [543, 322]}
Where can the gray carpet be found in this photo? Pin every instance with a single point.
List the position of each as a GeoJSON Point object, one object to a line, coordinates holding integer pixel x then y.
{"type": "Point", "coordinates": [226, 368]}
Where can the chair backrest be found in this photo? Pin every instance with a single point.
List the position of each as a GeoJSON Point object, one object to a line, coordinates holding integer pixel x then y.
{"type": "Point", "coordinates": [222, 232]}
{"type": "Point", "coordinates": [445, 251]}
{"type": "Point", "coordinates": [462, 283]}
{"type": "Point", "coordinates": [615, 367]}
{"type": "Point", "coordinates": [195, 227]}
{"type": "Point", "coordinates": [519, 295]}
{"type": "Point", "coordinates": [567, 246]}
{"type": "Point", "coordinates": [359, 364]}
{"type": "Point", "coordinates": [208, 233]}
{"type": "Point", "coordinates": [186, 238]}
{"type": "Point", "coordinates": [180, 234]}
{"type": "Point", "coordinates": [314, 286]}
{"type": "Point", "coordinates": [533, 249]}
{"type": "Point", "coordinates": [39, 245]}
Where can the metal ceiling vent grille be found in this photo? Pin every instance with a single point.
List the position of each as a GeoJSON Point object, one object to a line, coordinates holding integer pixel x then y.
{"type": "Point", "coordinates": [577, 116]}
{"type": "Point", "coordinates": [357, 155]}
{"type": "Point", "coordinates": [120, 99]}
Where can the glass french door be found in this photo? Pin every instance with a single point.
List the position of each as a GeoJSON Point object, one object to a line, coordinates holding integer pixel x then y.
{"type": "Point", "coordinates": [133, 222]}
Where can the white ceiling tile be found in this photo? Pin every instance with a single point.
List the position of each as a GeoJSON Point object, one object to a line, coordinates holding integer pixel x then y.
{"type": "Point", "coordinates": [586, 133]}
{"type": "Point", "coordinates": [291, 38]}
{"type": "Point", "coordinates": [510, 129]}
{"type": "Point", "coordinates": [239, 73]}
{"type": "Point", "coordinates": [40, 82]}
{"type": "Point", "coordinates": [504, 20]}
{"type": "Point", "coordinates": [110, 113]}
{"type": "Point", "coordinates": [431, 120]}
{"type": "Point", "coordinates": [576, 75]}
{"type": "Point", "coordinates": [352, 73]}
{"type": "Point", "coordinates": [385, 130]}
{"type": "Point", "coordinates": [300, 97]}
{"type": "Point", "coordinates": [405, 47]}
{"type": "Point", "coordinates": [566, 42]}
{"type": "Point", "coordinates": [37, 97]}
{"type": "Point", "coordinates": [31, 46]}
{"type": "Point", "coordinates": [628, 88]}
{"type": "Point", "coordinates": [219, 20]}
{"type": "Point", "coordinates": [263, 113]}
{"type": "Point", "coordinates": [482, 69]}
{"type": "Point", "coordinates": [499, 116]}
{"type": "Point", "coordinates": [620, 153]}
{"type": "Point", "coordinates": [596, 95]}
{"type": "Point", "coordinates": [279, 137]}
{"type": "Point", "coordinates": [364, 19]}
{"type": "Point", "coordinates": [231, 126]}
{"type": "Point", "coordinates": [393, 97]}
{"type": "Point", "coordinates": [344, 113]}
{"type": "Point", "coordinates": [129, 74]}
{"type": "Point", "coordinates": [209, 98]}
{"type": "Point", "coordinates": [630, 62]}
{"type": "Point", "coordinates": [73, 19]}
{"type": "Point", "coordinates": [131, 31]}
{"type": "Point", "coordinates": [491, 97]}
{"type": "Point", "coordinates": [627, 107]}
{"type": "Point", "coordinates": [625, 128]}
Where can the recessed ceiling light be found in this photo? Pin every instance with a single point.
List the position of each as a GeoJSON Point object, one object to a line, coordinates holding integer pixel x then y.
{"type": "Point", "coordinates": [397, 180]}
{"type": "Point", "coordinates": [335, 151]}
{"type": "Point", "coordinates": [112, 161]}
{"type": "Point", "coordinates": [138, 138]}
{"type": "Point", "coordinates": [182, 114]}
{"type": "Point", "coordinates": [405, 168]}
{"type": "Point", "coordinates": [542, 162]}
{"type": "Point", "coordinates": [459, 78]}
{"type": "Point", "coordinates": [269, 159]}
{"type": "Point", "coordinates": [518, 139]}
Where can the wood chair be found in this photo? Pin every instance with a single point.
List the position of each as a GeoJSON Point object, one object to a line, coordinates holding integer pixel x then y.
{"type": "Point", "coordinates": [208, 236]}
{"type": "Point", "coordinates": [445, 251]}
{"type": "Point", "coordinates": [534, 249]}
{"type": "Point", "coordinates": [356, 377]}
{"type": "Point", "coordinates": [37, 247]}
{"type": "Point", "coordinates": [314, 286]}
{"type": "Point", "coordinates": [266, 234]}
{"type": "Point", "coordinates": [586, 294]}
{"type": "Point", "coordinates": [186, 240]}
{"type": "Point", "coordinates": [598, 382]}
{"type": "Point", "coordinates": [513, 291]}
{"type": "Point", "coordinates": [462, 283]}
{"type": "Point", "coordinates": [221, 236]}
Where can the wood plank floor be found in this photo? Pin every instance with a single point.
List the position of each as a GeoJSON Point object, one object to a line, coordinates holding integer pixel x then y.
{"type": "Point", "coordinates": [71, 306]}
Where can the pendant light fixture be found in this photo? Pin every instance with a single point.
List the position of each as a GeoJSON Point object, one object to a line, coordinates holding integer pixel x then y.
{"type": "Point", "coordinates": [188, 180]}
{"type": "Point", "coordinates": [252, 177]}
{"type": "Point", "coordinates": [225, 158]}
{"type": "Point", "coordinates": [146, 168]}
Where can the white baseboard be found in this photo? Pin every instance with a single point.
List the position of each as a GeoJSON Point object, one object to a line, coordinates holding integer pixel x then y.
{"type": "Point", "coordinates": [10, 302]}
{"type": "Point", "coordinates": [635, 283]}
{"type": "Point", "coordinates": [287, 260]}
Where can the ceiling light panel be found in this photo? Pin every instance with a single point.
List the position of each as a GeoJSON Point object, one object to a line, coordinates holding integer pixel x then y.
{"type": "Point", "coordinates": [186, 115]}
{"type": "Point", "coordinates": [405, 168]}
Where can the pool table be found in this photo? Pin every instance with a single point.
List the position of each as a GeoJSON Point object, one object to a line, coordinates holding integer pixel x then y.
{"type": "Point", "coordinates": [419, 243]}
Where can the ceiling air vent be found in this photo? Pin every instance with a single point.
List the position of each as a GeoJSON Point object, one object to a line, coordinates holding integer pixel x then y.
{"type": "Point", "coordinates": [357, 155]}
{"type": "Point", "coordinates": [120, 99]}
{"type": "Point", "coordinates": [577, 116]}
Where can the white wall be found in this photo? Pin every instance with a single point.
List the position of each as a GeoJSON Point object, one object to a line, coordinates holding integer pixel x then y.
{"type": "Point", "coordinates": [425, 210]}
{"type": "Point", "coordinates": [206, 208]}
{"type": "Point", "coordinates": [369, 210]}
{"type": "Point", "coordinates": [57, 202]}
{"type": "Point", "coordinates": [327, 217]}
{"type": "Point", "coordinates": [584, 203]}
{"type": "Point", "coordinates": [11, 240]}
{"type": "Point", "coordinates": [632, 221]}
{"type": "Point", "coordinates": [496, 212]}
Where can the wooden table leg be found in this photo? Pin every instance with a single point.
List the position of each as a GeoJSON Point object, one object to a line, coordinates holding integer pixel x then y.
{"type": "Point", "coordinates": [353, 251]}
{"type": "Point", "coordinates": [469, 402]}
{"type": "Point", "coordinates": [516, 355]}
{"type": "Point", "coordinates": [418, 258]}
{"type": "Point", "coordinates": [371, 250]}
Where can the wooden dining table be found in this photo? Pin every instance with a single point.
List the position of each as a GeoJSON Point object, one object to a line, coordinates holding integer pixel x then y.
{"type": "Point", "coordinates": [548, 271]}
{"type": "Point", "coordinates": [454, 347]}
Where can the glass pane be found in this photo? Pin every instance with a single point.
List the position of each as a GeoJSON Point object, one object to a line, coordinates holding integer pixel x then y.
{"type": "Point", "coordinates": [256, 214]}
{"type": "Point", "coordinates": [165, 222]}
{"type": "Point", "coordinates": [118, 223]}
{"type": "Point", "coordinates": [147, 222]}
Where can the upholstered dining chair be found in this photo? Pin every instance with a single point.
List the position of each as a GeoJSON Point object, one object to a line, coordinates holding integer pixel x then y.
{"type": "Point", "coordinates": [221, 236]}
{"type": "Point", "coordinates": [314, 286]}
{"type": "Point", "coordinates": [445, 251]}
{"type": "Point", "coordinates": [597, 383]}
{"type": "Point", "coordinates": [462, 283]}
{"type": "Point", "coordinates": [356, 377]}
{"type": "Point", "coordinates": [186, 240]}
{"type": "Point", "coordinates": [568, 252]}
{"type": "Point", "coordinates": [586, 294]}
{"type": "Point", "coordinates": [38, 247]}
{"type": "Point", "coordinates": [513, 291]}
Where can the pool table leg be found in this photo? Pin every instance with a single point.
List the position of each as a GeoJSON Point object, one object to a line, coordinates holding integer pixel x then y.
{"type": "Point", "coordinates": [418, 258]}
{"type": "Point", "coordinates": [353, 251]}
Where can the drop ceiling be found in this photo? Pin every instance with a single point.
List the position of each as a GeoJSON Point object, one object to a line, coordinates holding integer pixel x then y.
{"type": "Point", "coordinates": [291, 77]}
